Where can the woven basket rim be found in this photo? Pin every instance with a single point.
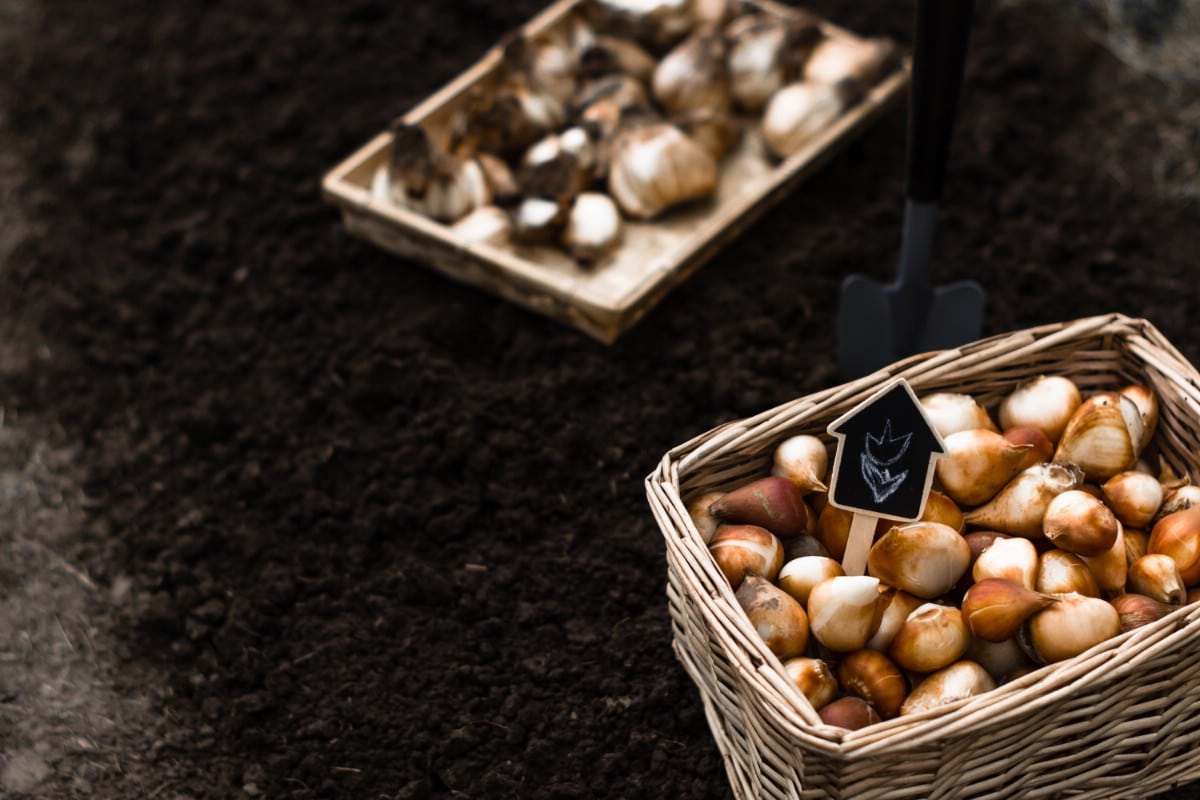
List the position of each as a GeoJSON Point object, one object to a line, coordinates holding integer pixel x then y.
{"type": "Point", "coordinates": [1008, 702]}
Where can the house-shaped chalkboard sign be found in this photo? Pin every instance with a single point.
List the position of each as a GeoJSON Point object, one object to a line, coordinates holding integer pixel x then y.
{"type": "Point", "coordinates": [885, 455]}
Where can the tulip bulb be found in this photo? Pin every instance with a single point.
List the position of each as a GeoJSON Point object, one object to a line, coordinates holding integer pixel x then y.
{"type": "Point", "coordinates": [1147, 407]}
{"type": "Point", "coordinates": [799, 576]}
{"type": "Point", "coordinates": [1136, 610]}
{"type": "Point", "coordinates": [1079, 523]}
{"type": "Point", "coordinates": [773, 503]}
{"type": "Point", "coordinates": [1041, 449]}
{"type": "Point", "coordinates": [950, 412]}
{"type": "Point", "coordinates": [1178, 536]}
{"type": "Point", "coordinates": [977, 464]}
{"type": "Point", "coordinates": [814, 679]}
{"type": "Point", "coordinates": [994, 608]}
{"type": "Point", "coordinates": [801, 546]}
{"type": "Point", "coordinates": [844, 612]}
{"type": "Point", "coordinates": [925, 559]}
{"type": "Point", "coordinates": [959, 681]}
{"type": "Point", "coordinates": [1137, 544]}
{"type": "Point", "coordinates": [933, 636]}
{"type": "Point", "coordinates": [1103, 436]}
{"type": "Point", "coordinates": [706, 524]}
{"type": "Point", "coordinates": [1020, 506]}
{"type": "Point", "coordinates": [1069, 627]}
{"type": "Point", "coordinates": [655, 166]}
{"type": "Point", "coordinates": [875, 678]}
{"type": "Point", "coordinates": [777, 618]}
{"type": "Point", "coordinates": [1013, 559]}
{"type": "Point", "coordinates": [1060, 572]}
{"type": "Point", "coordinates": [851, 713]}
{"type": "Point", "coordinates": [798, 112]}
{"type": "Point", "coordinates": [803, 460]}
{"type": "Point", "coordinates": [1178, 498]}
{"type": "Point", "coordinates": [899, 606]}
{"type": "Point", "coordinates": [1110, 567]}
{"type": "Point", "coordinates": [738, 548]}
{"type": "Point", "coordinates": [833, 530]}
{"type": "Point", "coordinates": [1134, 497]}
{"type": "Point", "coordinates": [1047, 403]}
{"type": "Point", "coordinates": [940, 508]}
{"type": "Point", "coordinates": [1000, 659]}
{"type": "Point", "coordinates": [1156, 575]}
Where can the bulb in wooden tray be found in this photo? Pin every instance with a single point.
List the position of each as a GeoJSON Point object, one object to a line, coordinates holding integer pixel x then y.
{"type": "Point", "coordinates": [1060, 572]}
{"type": "Point", "coordinates": [951, 412]}
{"type": "Point", "coordinates": [933, 636]}
{"type": "Point", "coordinates": [766, 52]}
{"type": "Point", "coordinates": [1079, 523]}
{"type": "Point", "coordinates": [799, 576]}
{"type": "Point", "coordinates": [609, 55]}
{"type": "Point", "coordinates": [1047, 403]}
{"type": "Point", "coordinates": [899, 606]}
{"type": "Point", "coordinates": [1020, 506]}
{"type": "Point", "coordinates": [851, 713]}
{"type": "Point", "coordinates": [772, 502]}
{"type": "Point", "coordinates": [959, 681]}
{"type": "Point", "coordinates": [777, 618]}
{"type": "Point", "coordinates": [715, 131]}
{"type": "Point", "coordinates": [804, 461]}
{"type": "Point", "coordinates": [1136, 610]}
{"type": "Point", "coordinates": [550, 57]}
{"type": "Point", "coordinates": [655, 166]}
{"type": "Point", "coordinates": [538, 219]}
{"type": "Point", "coordinates": [504, 117]}
{"type": "Point", "coordinates": [843, 612]}
{"type": "Point", "coordinates": [1103, 436]}
{"type": "Point", "coordinates": [925, 559]}
{"type": "Point", "coordinates": [659, 23]}
{"type": "Point", "coordinates": [425, 178]}
{"type": "Point", "coordinates": [866, 61]}
{"type": "Point", "coordinates": [1178, 536]}
{"type": "Point", "coordinates": [1069, 627]}
{"type": "Point", "coordinates": [1134, 497]}
{"type": "Point", "coordinates": [798, 112]}
{"type": "Point", "coordinates": [593, 227]}
{"type": "Point", "coordinates": [1014, 559]}
{"type": "Point", "coordinates": [485, 225]}
{"type": "Point", "coordinates": [994, 609]}
{"type": "Point", "coordinates": [738, 548]}
{"type": "Point", "coordinates": [814, 679]}
{"type": "Point", "coordinates": [875, 678]}
{"type": "Point", "coordinates": [1156, 575]}
{"type": "Point", "coordinates": [692, 76]}
{"type": "Point", "coordinates": [977, 464]}
{"type": "Point", "coordinates": [716, 12]}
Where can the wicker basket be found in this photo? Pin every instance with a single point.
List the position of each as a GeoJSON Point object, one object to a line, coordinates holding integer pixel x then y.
{"type": "Point", "coordinates": [1120, 720]}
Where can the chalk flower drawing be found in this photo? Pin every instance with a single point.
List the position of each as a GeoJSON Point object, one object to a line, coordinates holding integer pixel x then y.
{"type": "Point", "coordinates": [879, 454]}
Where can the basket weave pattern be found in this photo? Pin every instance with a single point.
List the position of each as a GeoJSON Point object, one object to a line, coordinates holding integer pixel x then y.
{"type": "Point", "coordinates": [1120, 720]}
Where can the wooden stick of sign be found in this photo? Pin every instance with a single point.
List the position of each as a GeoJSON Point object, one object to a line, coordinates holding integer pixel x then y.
{"type": "Point", "coordinates": [884, 465]}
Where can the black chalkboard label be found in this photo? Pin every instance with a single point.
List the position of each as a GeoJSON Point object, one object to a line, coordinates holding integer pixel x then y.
{"type": "Point", "coordinates": [885, 455]}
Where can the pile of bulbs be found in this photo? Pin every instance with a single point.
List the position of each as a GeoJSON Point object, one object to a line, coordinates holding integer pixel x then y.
{"type": "Point", "coordinates": [623, 110]}
{"type": "Point", "coordinates": [1043, 536]}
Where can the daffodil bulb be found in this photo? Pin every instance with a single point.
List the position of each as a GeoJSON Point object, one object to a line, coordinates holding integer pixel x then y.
{"type": "Point", "coordinates": [866, 61]}
{"type": "Point", "coordinates": [485, 225]}
{"type": "Point", "coordinates": [693, 76]}
{"type": "Point", "coordinates": [766, 52]}
{"type": "Point", "coordinates": [431, 181]}
{"type": "Point", "coordinates": [659, 23]}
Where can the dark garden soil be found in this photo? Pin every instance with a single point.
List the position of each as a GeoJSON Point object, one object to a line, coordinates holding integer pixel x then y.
{"type": "Point", "coordinates": [346, 529]}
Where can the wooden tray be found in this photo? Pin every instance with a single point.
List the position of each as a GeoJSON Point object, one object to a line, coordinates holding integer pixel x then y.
{"type": "Point", "coordinates": [608, 298]}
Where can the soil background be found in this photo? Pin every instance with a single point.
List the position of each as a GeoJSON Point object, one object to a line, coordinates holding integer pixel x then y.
{"type": "Point", "coordinates": [326, 524]}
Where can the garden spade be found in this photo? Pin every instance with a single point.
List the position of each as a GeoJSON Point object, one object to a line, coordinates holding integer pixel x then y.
{"type": "Point", "coordinates": [878, 323]}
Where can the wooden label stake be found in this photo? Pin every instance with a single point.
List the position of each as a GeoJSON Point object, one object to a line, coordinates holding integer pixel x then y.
{"type": "Point", "coordinates": [883, 466]}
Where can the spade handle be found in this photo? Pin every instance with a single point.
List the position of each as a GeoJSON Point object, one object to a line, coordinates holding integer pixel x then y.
{"type": "Point", "coordinates": [939, 57]}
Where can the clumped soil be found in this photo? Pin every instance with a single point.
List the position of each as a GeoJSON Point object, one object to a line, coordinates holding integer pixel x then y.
{"type": "Point", "coordinates": [358, 531]}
